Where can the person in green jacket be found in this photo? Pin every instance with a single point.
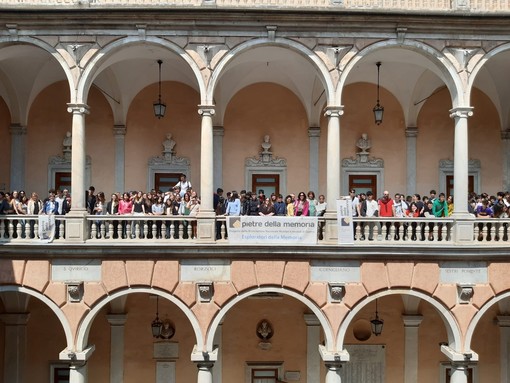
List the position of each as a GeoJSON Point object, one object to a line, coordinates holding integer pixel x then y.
{"type": "Point", "coordinates": [440, 209]}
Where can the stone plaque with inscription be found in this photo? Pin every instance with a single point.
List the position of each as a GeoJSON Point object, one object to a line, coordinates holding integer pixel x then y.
{"type": "Point", "coordinates": [86, 270]}
{"type": "Point", "coordinates": [335, 271]}
{"type": "Point", "coordinates": [463, 272]}
{"type": "Point", "coordinates": [166, 350]}
{"type": "Point", "coordinates": [214, 270]}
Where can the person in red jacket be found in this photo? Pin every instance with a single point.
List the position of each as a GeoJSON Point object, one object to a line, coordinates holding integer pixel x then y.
{"type": "Point", "coordinates": [386, 210]}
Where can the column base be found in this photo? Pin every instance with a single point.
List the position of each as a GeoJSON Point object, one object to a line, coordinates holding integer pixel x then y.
{"type": "Point", "coordinates": [206, 226]}
{"type": "Point", "coordinates": [463, 232]}
{"type": "Point", "coordinates": [331, 228]}
{"type": "Point", "coordinates": [76, 227]}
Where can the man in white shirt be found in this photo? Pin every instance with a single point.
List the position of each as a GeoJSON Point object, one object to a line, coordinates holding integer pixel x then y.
{"type": "Point", "coordinates": [183, 184]}
{"type": "Point", "coordinates": [369, 208]}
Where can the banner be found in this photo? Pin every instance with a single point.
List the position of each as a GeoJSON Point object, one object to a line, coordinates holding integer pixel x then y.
{"type": "Point", "coordinates": [344, 216]}
{"type": "Point", "coordinates": [264, 230]}
{"type": "Point", "coordinates": [47, 227]}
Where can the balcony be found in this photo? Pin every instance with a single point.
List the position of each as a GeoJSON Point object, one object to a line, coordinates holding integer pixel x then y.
{"type": "Point", "coordinates": [164, 231]}
{"type": "Point", "coordinates": [395, 6]}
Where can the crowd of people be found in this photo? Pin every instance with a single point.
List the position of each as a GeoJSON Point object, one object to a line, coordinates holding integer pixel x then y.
{"type": "Point", "coordinates": [183, 200]}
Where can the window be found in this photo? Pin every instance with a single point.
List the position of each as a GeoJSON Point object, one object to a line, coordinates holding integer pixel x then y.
{"type": "Point", "coordinates": [363, 183]}
{"type": "Point", "coordinates": [263, 372]}
{"type": "Point", "coordinates": [270, 183]}
{"type": "Point", "coordinates": [165, 181]}
{"type": "Point", "coordinates": [59, 373]}
{"type": "Point", "coordinates": [264, 375]}
{"type": "Point", "coordinates": [63, 181]}
{"type": "Point", "coordinates": [449, 185]}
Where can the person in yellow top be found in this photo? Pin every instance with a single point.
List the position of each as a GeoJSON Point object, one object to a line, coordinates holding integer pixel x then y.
{"type": "Point", "coordinates": [290, 206]}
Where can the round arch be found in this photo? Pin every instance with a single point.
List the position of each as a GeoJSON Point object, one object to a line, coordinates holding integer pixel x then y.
{"type": "Point", "coordinates": [15, 107]}
{"type": "Point", "coordinates": [452, 327]}
{"type": "Point", "coordinates": [308, 54]}
{"type": "Point", "coordinates": [86, 324]}
{"type": "Point", "coordinates": [481, 312]}
{"type": "Point", "coordinates": [52, 305]}
{"type": "Point", "coordinates": [92, 68]}
{"type": "Point", "coordinates": [328, 334]}
{"type": "Point", "coordinates": [479, 65]}
{"type": "Point", "coordinates": [449, 74]}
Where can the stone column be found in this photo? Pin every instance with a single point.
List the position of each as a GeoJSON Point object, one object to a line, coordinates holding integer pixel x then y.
{"type": "Point", "coordinates": [411, 134]}
{"type": "Point", "coordinates": [15, 348]}
{"type": "Point", "coordinates": [314, 134]}
{"type": "Point", "coordinates": [206, 214]}
{"type": "Point", "coordinates": [461, 159]}
{"type": "Point", "coordinates": [333, 373]}
{"type": "Point", "coordinates": [313, 338]}
{"type": "Point", "coordinates": [76, 228]}
{"type": "Point", "coordinates": [459, 373]}
{"type": "Point", "coordinates": [333, 169]}
{"type": "Point", "coordinates": [504, 348]}
{"type": "Point", "coordinates": [117, 322]}
{"type": "Point", "coordinates": [18, 139]}
{"type": "Point", "coordinates": [463, 229]}
{"type": "Point", "coordinates": [119, 132]}
{"type": "Point", "coordinates": [218, 133]}
{"type": "Point", "coordinates": [205, 372]}
{"type": "Point", "coordinates": [411, 325]}
{"type": "Point", "coordinates": [505, 138]}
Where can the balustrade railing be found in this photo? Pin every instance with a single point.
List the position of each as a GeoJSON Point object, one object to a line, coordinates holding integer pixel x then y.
{"type": "Point", "coordinates": [110, 229]}
{"type": "Point", "coordinates": [475, 6]}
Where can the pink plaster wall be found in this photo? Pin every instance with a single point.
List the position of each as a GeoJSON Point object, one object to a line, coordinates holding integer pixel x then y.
{"type": "Point", "coordinates": [145, 133]}
{"type": "Point", "coordinates": [45, 341]}
{"type": "Point", "coordinates": [388, 139]}
{"type": "Point", "coordinates": [240, 341]}
{"type": "Point", "coordinates": [252, 113]}
{"type": "Point", "coordinates": [139, 365]}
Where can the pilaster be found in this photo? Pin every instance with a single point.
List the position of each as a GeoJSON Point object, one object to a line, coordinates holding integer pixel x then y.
{"type": "Point", "coordinates": [505, 146]}
{"type": "Point", "coordinates": [503, 322]}
{"type": "Point", "coordinates": [218, 133]}
{"type": "Point", "coordinates": [411, 345]}
{"type": "Point", "coordinates": [117, 322]}
{"type": "Point", "coordinates": [313, 333]}
{"type": "Point", "coordinates": [15, 346]}
{"type": "Point", "coordinates": [411, 137]}
{"type": "Point", "coordinates": [18, 134]}
{"type": "Point", "coordinates": [119, 133]}
{"type": "Point", "coordinates": [314, 134]}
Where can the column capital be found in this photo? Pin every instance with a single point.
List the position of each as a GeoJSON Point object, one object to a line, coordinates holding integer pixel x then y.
{"type": "Point", "coordinates": [458, 356]}
{"type": "Point", "coordinates": [119, 130]}
{"type": "Point", "coordinates": [412, 320]}
{"type": "Point", "coordinates": [461, 112]}
{"type": "Point", "coordinates": [334, 111]}
{"type": "Point", "coordinates": [78, 108]}
{"type": "Point", "coordinates": [311, 320]}
{"type": "Point", "coordinates": [333, 357]}
{"type": "Point", "coordinates": [503, 320]}
{"type": "Point", "coordinates": [412, 131]}
{"type": "Point", "coordinates": [314, 131]}
{"type": "Point", "coordinates": [15, 319]}
{"type": "Point", "coordinates": [218, 131]}
{"type": "Point", "coordinates": [206, 110]}
{"type": "Point", "coordinates": [17, 130]}
{"type": "Point", "coordinates": [116, 319]}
